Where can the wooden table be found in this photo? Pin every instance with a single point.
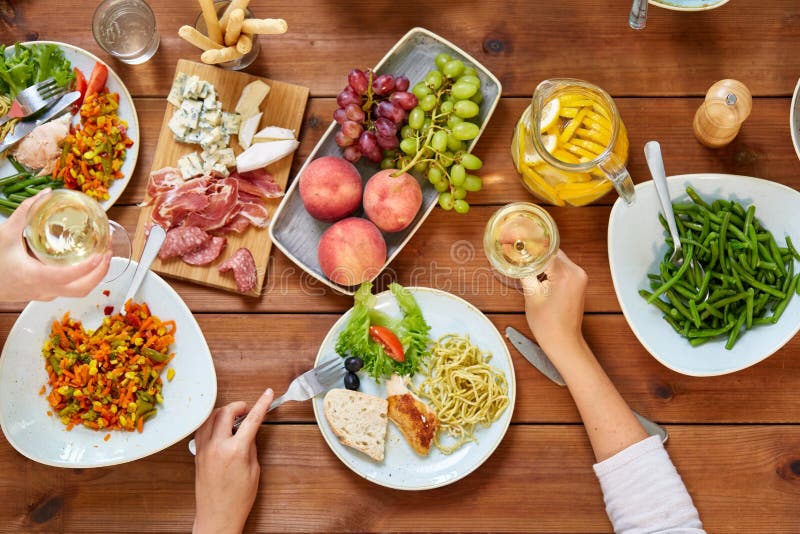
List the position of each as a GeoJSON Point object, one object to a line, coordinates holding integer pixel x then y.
{"type": "Point", "coordinates": [735, 439]}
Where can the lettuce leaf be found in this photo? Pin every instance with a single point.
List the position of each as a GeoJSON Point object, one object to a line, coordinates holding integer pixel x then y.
{"type": "Point", "coordinates": [24, 66]}
{"type": "Point", "coordinates": [411, 329]}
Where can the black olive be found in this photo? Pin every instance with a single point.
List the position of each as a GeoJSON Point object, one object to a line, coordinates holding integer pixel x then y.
{"type": "Point", "coordinates": [351, 381]}
{"type": "Point", "coordinates": [353, 364]}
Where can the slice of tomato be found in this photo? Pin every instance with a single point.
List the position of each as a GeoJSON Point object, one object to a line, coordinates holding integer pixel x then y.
{"type": "Point", "coordinates": [388, 340]}
{"type": "Point", "coordinates": [97, 81]}
{"type": "Point", "coordinates": [80, 86]}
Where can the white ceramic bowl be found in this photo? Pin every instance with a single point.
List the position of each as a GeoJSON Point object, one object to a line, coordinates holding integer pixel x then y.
{"type": "Point", "coordinates": [688, 5]}
{"type": "Point", "coordinates": [794, 119]}
{"type": "Point", "coordinates": [188, 398]}
{"type": "Point", "coordinates": [636, 245]}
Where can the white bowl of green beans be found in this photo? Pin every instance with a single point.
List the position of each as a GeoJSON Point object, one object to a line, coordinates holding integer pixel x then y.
{"type": "Point", "coordinates": [745, 303]}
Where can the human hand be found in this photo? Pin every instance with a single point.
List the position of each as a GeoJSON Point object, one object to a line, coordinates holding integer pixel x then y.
{"type": "Point", "coordinates": [26, 278]}
{"type": "Point", "coordinates": [554, 307]}
{"type": "Point", "coordinates": [226, 467]}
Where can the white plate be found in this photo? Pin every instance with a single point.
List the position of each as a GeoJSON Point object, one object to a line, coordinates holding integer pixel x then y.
{"type": "Point", "coordinates": [794, 119]}
{"type": "Point", "coordinates": [636, 245]}
{"type": "Point", "coordinates": [688, 5]}
{"type": "Point", "coordinates": [402, 468]}
{"type": "Point", "coordinates": [188, 399]}
{"type": "Point", "coordinates": [85, 61]}
{"type": "Point", "coordinates": [297, 234]}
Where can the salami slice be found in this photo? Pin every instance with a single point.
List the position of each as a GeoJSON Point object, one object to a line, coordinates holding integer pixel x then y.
{"type": "Point", "coordinates": [244, 270]}
{"type": "Point", "coordinates": [207, 253]}
{"type": "Point", "coordinates": [183, 240]}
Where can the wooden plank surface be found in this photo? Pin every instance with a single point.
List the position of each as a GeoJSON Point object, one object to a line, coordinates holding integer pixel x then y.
{"type": "Point", "coordinates": [763, 148]}
{"type": "Point", "coordinates": [284, 107]}
{"type": "Point", "coordinates": [255, 351]}
{"type": "Point", "coordinates": [523, 43]}
{"type": "Point", "coordinates": [743, 479]}
{"type": "Point", "coordinates": [735, 439]}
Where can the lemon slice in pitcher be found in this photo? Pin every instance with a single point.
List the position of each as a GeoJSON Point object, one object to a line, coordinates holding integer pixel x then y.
{"type": "Point", "coordinates": [550, 113]}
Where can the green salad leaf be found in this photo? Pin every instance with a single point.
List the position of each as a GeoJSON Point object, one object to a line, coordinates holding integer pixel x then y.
{"type": "Point", "coordinates": [411, 329]}
{"type": "Point", "coordinates": [22, 66]}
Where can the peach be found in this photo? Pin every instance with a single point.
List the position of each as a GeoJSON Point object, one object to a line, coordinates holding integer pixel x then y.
{"type": "Point", "coordinates": [330, 188]}
{"type": "Point", "coordinates": [392, 202]}
{"type": "Point", "coordinates": [351, 251]}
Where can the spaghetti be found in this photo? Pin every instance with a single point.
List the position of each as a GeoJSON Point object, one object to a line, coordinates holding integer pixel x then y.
{"type": "Point", "coordinates": [464, 389]}
{"type": "Point", "coordinates": [5, 107]}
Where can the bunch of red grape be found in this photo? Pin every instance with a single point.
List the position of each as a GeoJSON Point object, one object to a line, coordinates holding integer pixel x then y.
{"type": "Point", "coordinates": [372, 109]}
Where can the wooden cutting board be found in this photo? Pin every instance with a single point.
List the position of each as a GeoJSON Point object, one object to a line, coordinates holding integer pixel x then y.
{"type": "Point", "coordinates": [284, 106]}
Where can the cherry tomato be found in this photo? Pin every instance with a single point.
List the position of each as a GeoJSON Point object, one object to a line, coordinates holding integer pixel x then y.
{"type": "Point", "coordinates": [80, 85]}
{"type": "Point", "coordinates": [388, 340]}
{"type": "Point", "coordinates": [97, 81]}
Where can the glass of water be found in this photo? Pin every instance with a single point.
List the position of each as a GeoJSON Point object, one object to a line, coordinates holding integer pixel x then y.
{"type": "Point", "coordinates": [126, 29]}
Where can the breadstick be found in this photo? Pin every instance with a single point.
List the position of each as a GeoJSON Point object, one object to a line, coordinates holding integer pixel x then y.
{"type": "Point", "coordinates": [221, 55]}
{"type": "Point", "coordinates": [234, 28]}
{"type": "Point", "coordinates": [245, 43]}
{"type": "Point", "coordinates": [235, 4]}
{"type": "Point", "coordinates": [212, 23]}
{"type": "Point", "coordinates": [264, 26]}
{"type": "Point", "coordinates": [192, 36]}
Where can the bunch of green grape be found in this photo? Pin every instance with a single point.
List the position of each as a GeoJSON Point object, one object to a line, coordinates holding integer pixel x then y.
{"type": "Point", "coordinates": [434, 142]}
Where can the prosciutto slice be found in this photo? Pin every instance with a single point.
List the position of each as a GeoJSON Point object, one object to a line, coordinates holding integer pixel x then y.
{"type": "Point", "coordinates": [162, 181]}
{"type": "Point", "coordinates": [209, 205]}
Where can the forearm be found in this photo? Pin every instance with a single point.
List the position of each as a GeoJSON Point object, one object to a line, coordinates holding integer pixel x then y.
{"type": "Point", "coordinates": [608, 419]}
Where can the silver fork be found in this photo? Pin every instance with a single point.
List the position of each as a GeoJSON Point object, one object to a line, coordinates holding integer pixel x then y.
{"type": "Point", "coordinates": [33, 99]}
{"type": "Point", "coordinates": [306, 386]}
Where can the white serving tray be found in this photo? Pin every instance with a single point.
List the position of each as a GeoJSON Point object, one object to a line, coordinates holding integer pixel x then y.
{"type": "Point", "coordinates": [297, 234]}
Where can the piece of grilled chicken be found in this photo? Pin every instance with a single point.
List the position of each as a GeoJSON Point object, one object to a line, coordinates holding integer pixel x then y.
{"type": "Point", "coordinates": [414, 418]}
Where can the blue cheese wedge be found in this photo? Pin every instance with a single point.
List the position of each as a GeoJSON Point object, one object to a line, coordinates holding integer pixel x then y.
{"type": "Point", "coordinates": [199, 119]}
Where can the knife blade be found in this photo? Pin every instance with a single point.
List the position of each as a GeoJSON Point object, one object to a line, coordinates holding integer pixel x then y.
{"type": "Point", "coordinates": [538, 358]}
{"type": "Point", "coordinates": [23, 128]}
{"type": "Point", "coordinates": [534, 354]}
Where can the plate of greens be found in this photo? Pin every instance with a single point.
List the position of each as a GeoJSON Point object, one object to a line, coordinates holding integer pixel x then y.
{"type": "Point", "coordinates": [26, 63]}
{"type": "Point", "coordinates": [744, 306]}
{"type": "Point", "coordinates": [404, 310]}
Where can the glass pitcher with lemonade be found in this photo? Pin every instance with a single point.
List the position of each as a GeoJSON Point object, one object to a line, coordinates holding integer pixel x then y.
{"type": "Point", "coordinates": [570, 145]}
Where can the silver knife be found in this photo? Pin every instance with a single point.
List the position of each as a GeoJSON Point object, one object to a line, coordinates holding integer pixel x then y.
{"type": "Point", "coordinates": [537, 357]}
{"type": "Point", "coordinates": [23, 128]}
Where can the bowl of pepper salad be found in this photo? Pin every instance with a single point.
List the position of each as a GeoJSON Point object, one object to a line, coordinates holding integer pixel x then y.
{"type": "Point", "coordinates": [90, 383]}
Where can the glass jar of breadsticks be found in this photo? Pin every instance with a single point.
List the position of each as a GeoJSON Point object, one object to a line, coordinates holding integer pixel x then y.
{"type": "Point", "coordinates": [227, 33]}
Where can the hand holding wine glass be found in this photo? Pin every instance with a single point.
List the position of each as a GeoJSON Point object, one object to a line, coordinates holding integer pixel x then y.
{"type": "Point", "coordinates": [27, 278]}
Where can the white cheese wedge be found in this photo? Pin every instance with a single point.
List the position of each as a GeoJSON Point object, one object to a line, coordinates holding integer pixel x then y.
{"type": "Point", "coordinates": [247, 129]}
{"type": "Point", "coordinates": [273, 133]}
{"type": "Point", "coordinates": [260, 155]}
{"type": "Point", "coordinates": [251, 98]}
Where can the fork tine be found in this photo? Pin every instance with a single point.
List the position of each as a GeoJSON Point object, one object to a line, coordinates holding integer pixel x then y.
{"type": "Point", "coordinates": [328, 365]}
{"type": "Point", "coordinates": [49, 82]}
{"type": "Point", "coordinates": [330, 373]}
{"type": "Point", "coordinates": [51, 92]}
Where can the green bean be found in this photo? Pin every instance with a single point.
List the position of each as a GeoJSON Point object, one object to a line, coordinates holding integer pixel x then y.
{"type": "Point", "coordinates": [17, 165]}
{"type": "Point", "coordinates": [669, 283]}
{"type": "Point", "coordinates": [19, 186]}
{"type": "Point", "coordinates": [709, 332]}
{"type": "Point", "coordinates": [19, 197]}
{"type": "Point", "coordinates": [746, 279]}
{"type": "Point", "coordinates": [779, 309]}
{"type": "Point", "coordinates": [13, 178]}
{"type": "Point", "coordinates": [791, 248]}
{"type": "Point", "coordinates": [8, 203]}
{"type": "Point", "coordinates": [5, 210]}
{"type": "Point", "coordinates": [736, 331]}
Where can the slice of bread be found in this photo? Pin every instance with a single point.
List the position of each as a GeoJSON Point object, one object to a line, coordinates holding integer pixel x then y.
{"type": "Point", "coordinates": [359, 420]}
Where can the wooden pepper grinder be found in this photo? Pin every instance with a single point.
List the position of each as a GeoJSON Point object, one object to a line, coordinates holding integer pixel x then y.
{"type": "Point", "coordinates": [719, 117]}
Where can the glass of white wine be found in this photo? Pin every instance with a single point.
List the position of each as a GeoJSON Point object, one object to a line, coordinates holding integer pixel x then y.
{"type": "Point", "coordinates": [66, 227]}
{"type": "Point", "coordinates": [520, 240]}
